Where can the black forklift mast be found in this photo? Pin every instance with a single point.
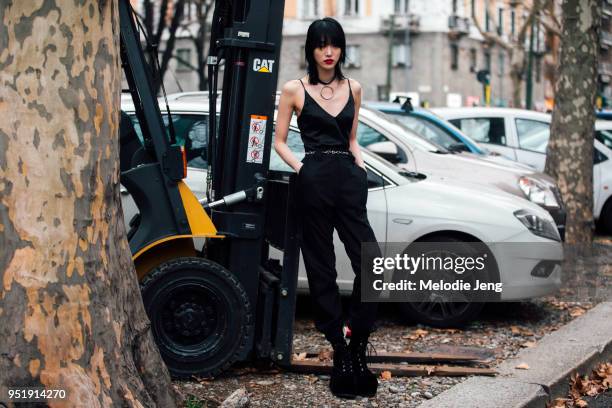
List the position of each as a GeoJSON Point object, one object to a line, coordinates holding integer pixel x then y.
{"type": "Point", "coordinates": [247, 36]}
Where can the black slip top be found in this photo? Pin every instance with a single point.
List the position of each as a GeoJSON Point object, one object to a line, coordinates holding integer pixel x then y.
{"type": "Point", "coordinates": [320, 130]}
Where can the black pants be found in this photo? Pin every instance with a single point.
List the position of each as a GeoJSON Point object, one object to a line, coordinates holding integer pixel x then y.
{"type": "Point", "coordinates": [333, 194]}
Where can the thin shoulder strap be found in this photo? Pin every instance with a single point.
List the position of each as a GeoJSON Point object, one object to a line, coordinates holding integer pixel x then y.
{"type": "Point", "coordinates": [349, 81]}
{"type": "Point", "coordinates": [300, 79]}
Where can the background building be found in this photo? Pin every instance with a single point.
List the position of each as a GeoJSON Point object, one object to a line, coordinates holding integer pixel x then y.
{"type": "Point", "coordinates": [436, 49]}
{"type": "Point", "coordinates": [433, 54]}
{"type": "Point", "coordinates": [605, 55]}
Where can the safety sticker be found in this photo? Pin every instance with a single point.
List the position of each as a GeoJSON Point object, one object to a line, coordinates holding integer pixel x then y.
{"type": "Point", "coordinates": [257, 139]}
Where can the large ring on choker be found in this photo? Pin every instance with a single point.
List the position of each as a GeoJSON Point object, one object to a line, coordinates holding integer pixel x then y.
{"type": "Point", "coordinates": [321, 92]}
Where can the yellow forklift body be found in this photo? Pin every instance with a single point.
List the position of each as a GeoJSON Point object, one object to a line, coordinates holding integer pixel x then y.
{"type": "Point", "coordinates": [199, 222]}
{"type": "Point", "coordinates": [175, 246]}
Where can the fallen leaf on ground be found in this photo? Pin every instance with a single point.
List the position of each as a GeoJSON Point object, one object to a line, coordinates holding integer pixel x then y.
{"type": "Point", "coordinates": [521, 330]}
{"type": "Point", "coordinates": [523, 366]}
{"type": "Point", "coordinates": [558, 403]}
{"type": "Point", "coordinates": [577, 311]}
{"type": "Point", "coordinates": [300, 356]}
{"type": "Point", "coordinates": [313, 379]}
{"type": "Point", "coordinates": [325, 355]}
{"type": "Point", "coordinates": [529, 344]}
{"type": "Point", "coordinates": [416, 334]}
{"type": "Point", "coordinates": [385, 375]}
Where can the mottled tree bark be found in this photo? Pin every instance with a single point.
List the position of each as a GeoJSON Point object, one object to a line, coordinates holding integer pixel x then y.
{"type": "Point", "coordinates": [570, 149]}
{"type": "Point", "coordinates": [71, 314]}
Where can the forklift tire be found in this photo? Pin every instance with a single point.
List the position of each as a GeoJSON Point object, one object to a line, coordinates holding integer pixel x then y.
{"type": "Point", "coordinates": [200, 316]}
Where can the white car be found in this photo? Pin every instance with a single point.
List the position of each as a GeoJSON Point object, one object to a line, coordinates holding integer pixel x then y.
{"type": "Point", "coordinates": [522, 135]}
{"type": "Point", "coordinates": [403, 207]}
{"type": "Point", "coordinates": [389, 138]}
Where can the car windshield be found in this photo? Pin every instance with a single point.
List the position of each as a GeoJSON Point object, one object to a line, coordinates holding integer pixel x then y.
{"type": "Point", "coordinates": [414, 140]}
{"type": "Point", "coordinates": [430, 131]}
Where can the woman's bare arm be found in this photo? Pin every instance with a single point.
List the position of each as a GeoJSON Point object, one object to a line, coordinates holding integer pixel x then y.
{"type": "Point", "coordinates": [353, 144]}
{"type": "Point", "coordinates": [286, 105]}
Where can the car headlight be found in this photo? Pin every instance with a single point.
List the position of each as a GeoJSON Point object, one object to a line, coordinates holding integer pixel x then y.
{"type": "Point", "coordinates": [537, 192]}
{"type": "Point", "coordinates": [537, 225]}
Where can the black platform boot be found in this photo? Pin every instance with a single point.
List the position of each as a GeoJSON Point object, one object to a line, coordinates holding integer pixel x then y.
{"type": "Point", "coordinates": [342, 382]}
{"type": "Point", "coordinates": [366, 381]}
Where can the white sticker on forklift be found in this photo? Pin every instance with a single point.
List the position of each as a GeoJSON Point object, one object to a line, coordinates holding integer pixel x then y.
{"type": "Point", "coordinates": [257, 139]}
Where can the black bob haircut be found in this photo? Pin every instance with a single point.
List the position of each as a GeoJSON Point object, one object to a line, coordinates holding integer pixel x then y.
{"type": "Point", "coordinates": [321, 33]}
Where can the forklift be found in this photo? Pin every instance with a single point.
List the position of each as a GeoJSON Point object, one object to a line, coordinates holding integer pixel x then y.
{"type": "Point", "coordinates": [228, 301]}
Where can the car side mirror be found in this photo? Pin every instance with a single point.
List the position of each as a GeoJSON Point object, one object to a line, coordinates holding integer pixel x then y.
{"type": "Point", "coordinates": [458, 148]}
{"type": "Point", "coordinates": [387, 150]}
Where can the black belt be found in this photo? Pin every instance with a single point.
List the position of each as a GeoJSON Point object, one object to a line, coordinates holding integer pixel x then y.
{"type": "Point", "coordinates": [346, 152]}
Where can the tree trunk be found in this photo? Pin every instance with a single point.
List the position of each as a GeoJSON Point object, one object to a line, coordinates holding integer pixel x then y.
{"type": "Point", "coordinates": [71, 314]}
{"type": "Point", "coordinates": [570, 149]}
{"type": "Point", "coordinates": [200, 43]}
{"type": "Point", "coordinates": [517, 68]}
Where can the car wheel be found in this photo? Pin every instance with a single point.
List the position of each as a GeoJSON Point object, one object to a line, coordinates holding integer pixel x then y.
{"type": "Point", "coordinates": [200, 316]}
{"type": "Point", "coordinates": [443, 313]}
{"type": "Point", "coordinates": [605, 218]}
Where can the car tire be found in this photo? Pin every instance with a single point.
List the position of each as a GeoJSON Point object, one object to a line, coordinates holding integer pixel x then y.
{"type": "Point", "coordinates": [200, 316]}
{"type": "Point", "coordinates": [442, 314]}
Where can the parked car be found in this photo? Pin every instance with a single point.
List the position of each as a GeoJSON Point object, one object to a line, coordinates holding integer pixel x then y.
{"type": "Point", "coordinates": [386, 136]}
{"type": "Point", "coordinates": [409, 207]}
{"type": "Point", "coordinates": [440, 131]}
{"type": "Point", "coordinates": [522, 135]}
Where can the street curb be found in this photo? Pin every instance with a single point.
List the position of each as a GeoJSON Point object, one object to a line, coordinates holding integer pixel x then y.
{"type": "Point", "coordinates": [576, 347]}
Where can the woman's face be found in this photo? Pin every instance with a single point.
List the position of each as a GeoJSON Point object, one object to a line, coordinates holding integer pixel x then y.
{"type": "Point", "coordinates": [327, 56]}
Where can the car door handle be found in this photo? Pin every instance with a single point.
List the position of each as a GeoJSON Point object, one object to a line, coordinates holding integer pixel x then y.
{"type": "Point", "coordinates": [405, 221]}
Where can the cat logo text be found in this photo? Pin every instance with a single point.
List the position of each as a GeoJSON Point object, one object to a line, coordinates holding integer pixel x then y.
{"type": "Point", "coordinates": [263, 65]}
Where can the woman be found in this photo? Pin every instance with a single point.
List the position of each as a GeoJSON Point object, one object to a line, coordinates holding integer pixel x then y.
{"type": "Point", "coordinates": [333, 189]}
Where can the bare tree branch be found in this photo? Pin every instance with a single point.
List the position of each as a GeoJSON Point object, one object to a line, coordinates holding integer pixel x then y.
{"type": "Point", "coordinates": [489, 37]}
{"type": "Point", "coordinates": [161, 23]}
{"type": "Point", "coordinates": [169, 49]}
{"type": "Point", "coordinates": [538, 5]}
{"type": "Point", "coordinates": [549, 12]}
{"type": "Point", "coordinates": [550, 27]}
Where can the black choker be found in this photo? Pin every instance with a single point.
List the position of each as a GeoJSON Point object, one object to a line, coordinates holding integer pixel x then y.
{"type": "Point", "coordinates": [327, 83]}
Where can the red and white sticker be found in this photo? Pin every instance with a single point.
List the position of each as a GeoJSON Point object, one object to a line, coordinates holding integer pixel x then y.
{"type": "Point", "coordinates": [257, 139]}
